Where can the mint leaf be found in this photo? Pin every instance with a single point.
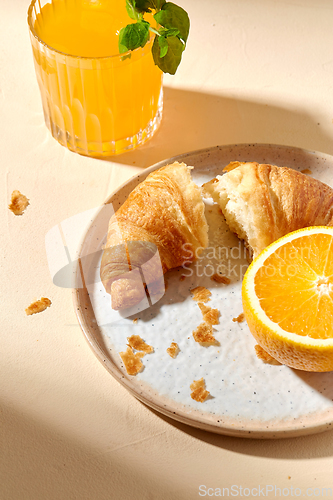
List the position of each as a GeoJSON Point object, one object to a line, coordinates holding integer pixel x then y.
{"type": "Point", "coordinates": [149, 5]}
{"type": "Point", "coordinates": [131, 10]}
{"type": "Point", "coordinates": [164, 46]}
{"type": "Point", "coordinates": [172, 57]}
{"type": "Point", "coordinates": [133, 36]}
{"type": "Point", "coordinates": [170, 39]}
{"type": "Point", "coordinates": [168, 32]}
{"type": "Point", "coordinates": [162, 39]}
{"type": "Point", "coordinates": [172, 16]}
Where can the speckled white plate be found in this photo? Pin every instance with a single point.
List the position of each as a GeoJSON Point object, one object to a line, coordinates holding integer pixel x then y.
{"type": "Point", "coordinates": [248, 397]}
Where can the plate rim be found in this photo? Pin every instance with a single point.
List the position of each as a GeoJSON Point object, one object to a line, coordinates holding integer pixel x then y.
{"type": "Point", "coordinates": [181, 415]}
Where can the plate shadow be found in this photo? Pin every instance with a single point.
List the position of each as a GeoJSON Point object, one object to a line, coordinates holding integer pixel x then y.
{"type": "Point", "coordinates": [318, 445]}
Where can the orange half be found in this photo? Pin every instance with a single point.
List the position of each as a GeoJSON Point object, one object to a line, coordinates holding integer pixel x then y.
{"type": "Point", "coordinates": [287, 297]}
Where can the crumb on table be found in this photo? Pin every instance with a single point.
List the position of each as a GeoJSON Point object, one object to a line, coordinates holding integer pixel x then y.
{"type": "Point", "coordinates": [132, 362]}
{"type": "Point", "coordinates": [220, 279]}
{"type": "Point", "coordinates": [19, 203]}
{"type": "Point", "coordinates": [204, 334]}
{"type": "Point", "coordinates": [240, 318]}
{"type": "Point", "coordinates": [199, 392]}
{"type": "Point", "coordinates": [210, 316]}
{"type": "Point", "coordinates": [38, 306]}
{"type": "Point", "coordinates": [200, 294]}
{"type": "Point", "coordinates": [173, 350]}
{"type": "Point", "coordinates": [264, 356]}
{"type": "Point", "coordinates": [137, 343]}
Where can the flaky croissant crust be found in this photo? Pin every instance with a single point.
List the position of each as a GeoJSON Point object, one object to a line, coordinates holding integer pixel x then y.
{"type": "Point", "coordinates": [165, 212]}
{"type": "Point", "coordinates": [263, 202]}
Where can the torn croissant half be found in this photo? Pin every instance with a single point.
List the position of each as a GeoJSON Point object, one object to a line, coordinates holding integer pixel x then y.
{"type": "Point", "coordinates": [262, 202]}
{"type": "Point", "coordinates": [160, 226]}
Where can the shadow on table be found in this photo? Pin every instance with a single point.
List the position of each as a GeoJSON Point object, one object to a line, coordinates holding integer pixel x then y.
{"type": "Point", "coordinates": [318, 445]}
{"type": "Point", "coordinates": [78, 455]}
{"type": "Point", "coordinates": [40, 460]}
{"type": "Point", "coordinates": [194, 120]}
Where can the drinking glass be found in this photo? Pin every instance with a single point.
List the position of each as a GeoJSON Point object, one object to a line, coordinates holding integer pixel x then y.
{"type": "Point", "coordinates": [96, 106]}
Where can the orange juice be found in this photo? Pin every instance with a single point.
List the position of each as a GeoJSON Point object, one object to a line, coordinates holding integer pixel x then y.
{"type": "Point", "coordinates": [96, 101]}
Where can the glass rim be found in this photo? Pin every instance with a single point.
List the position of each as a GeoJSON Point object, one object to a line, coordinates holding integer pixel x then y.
{"type": "Point", "coordinates": [33, 32]}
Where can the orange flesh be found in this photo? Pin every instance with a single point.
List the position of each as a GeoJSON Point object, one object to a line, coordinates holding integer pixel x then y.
{"type": "Point", "coordinates": [295, 286]}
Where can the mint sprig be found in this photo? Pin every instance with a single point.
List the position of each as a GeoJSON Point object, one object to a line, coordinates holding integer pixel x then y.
{"type": "Point", "coordinates": [170, 40]}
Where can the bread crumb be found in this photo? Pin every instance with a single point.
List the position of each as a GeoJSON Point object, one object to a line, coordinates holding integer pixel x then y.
{"type": "Point", "coordinates": [306, 171]}
{"type": "Point", "coordinates": [239, 318]}
{"type": "Point", "coordinates": [203, 308]}
{"type": "Point", "coordinates": [200, 294]}
{"type": "Point", "coordinates": [173, 350]}
{"type": "Point", "coordinates": [136, 342]}
{"type": "Point", "coordinates": [220, 279]}
{"type": "Point", "coordinates": [182, 278]}
{"type": "Point", "coordinates": [264, 356]}
{"type": "Point", "coordinates": [210, 316]}
{"type": "Point", "coordinates": [38, 306]}
{"type": "Point", "coordinates": [132, 362]}
{"type": "Point", "coordinates": [19, 203]}
{"type": "Point", "coordinates": [199, 392]}
{"type": "Point", "coordinates": [135, 320]}
{"type": "Point", "coordinates": [204, 334]}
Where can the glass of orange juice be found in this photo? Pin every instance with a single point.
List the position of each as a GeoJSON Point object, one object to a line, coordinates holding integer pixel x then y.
{"type": "Point", "coordinates": [96, 102]}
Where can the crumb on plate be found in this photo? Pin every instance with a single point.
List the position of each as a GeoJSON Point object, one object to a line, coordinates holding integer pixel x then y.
{"type": "Point", "coordinates": [210, 316]}
{"type": "Point", "coordinates": [38, 306]}
{"type": "Point", "coordinates": [137, 343]}
{"type": "Point", "coordinates": [306, 171]}
{"type": "Point", "coordinates": [135, 320]}
{"type": "Point", "coordinates": [200, 294]}
{"type": "Point", "coordinates": [204, 334]}
{"type": "Point", "coordinates": [199, 392]}
{"type": "Point", "coordinates": [240, 318]}
{"type": "Point", "coordinates": [182, 278]}
{"type": "Point", "coordinates": [19, 203]}
{"type": "Point", "coordinates": [264, 356]}
{"type": "Point", "coordinates": [132, 362]}
{"type": "Point", "coordinates": [173, 350]}
{"type": "Point", "coordinates": [220, 279]}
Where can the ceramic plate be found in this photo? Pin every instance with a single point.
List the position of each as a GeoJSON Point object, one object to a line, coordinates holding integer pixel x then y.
{"type": "Point", "coordinates": [248, 398]}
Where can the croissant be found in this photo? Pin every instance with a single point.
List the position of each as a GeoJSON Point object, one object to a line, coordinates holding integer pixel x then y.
{"type": "Point", "coordinates": [159, 226]}
{"type": "Point", "coordinates": [262, 203]}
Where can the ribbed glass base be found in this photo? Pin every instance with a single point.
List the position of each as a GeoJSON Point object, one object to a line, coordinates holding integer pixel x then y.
{"type": "Point", "coordinates": [107, 148]}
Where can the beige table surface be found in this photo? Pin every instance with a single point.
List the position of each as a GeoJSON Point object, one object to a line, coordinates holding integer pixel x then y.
{"type": "Point", "coordinates": [253, 71]}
